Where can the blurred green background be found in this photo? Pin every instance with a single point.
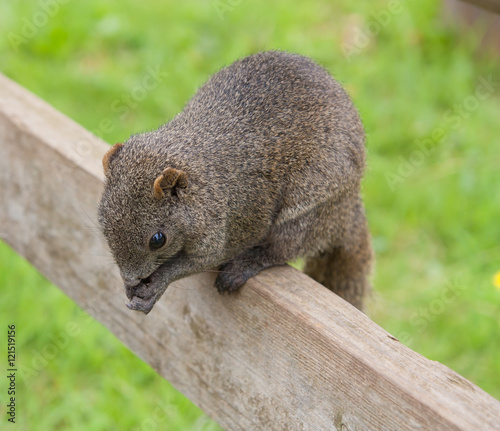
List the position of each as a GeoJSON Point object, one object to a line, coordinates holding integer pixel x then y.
{"type": "Point", "coordinates": [429, 100]}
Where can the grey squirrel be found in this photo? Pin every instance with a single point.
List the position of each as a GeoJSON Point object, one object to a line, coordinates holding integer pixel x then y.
{"type": "Point", "coordinates": [261, 167]}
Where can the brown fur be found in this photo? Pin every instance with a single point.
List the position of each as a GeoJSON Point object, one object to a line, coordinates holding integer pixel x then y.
{"type": "Point", "coordinates": [109, 155]}
{"type": "Point", "coordinates": [262, 166]}
{"type": "Point", "coordinates": [167, 180]}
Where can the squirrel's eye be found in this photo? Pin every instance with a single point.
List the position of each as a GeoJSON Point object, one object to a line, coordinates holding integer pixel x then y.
{"type": "Point", "coordinates": [157, 241]}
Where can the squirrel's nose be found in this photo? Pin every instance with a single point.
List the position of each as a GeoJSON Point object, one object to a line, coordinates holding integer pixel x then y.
{"type": "Point", "coordinates": [130, 283]}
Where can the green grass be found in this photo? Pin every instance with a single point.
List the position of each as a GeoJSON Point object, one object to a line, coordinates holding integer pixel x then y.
{"type": "Point", "coordinates": [434, 217]}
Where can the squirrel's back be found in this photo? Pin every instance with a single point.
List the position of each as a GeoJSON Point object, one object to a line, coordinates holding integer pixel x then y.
{"type": "Point", "coordinates": [277, 114]}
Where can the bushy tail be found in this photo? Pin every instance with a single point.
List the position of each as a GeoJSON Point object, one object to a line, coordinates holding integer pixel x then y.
{"type": "Point", "coordinates": [345, 269]}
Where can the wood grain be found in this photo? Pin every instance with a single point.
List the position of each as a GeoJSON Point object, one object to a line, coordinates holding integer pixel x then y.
{"type": "Point", "coordinates": [282, 354]}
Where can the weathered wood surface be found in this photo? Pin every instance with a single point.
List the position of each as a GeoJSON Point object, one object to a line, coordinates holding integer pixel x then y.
{"type": "Point", "coordinates": [283, 354]}
{"type": "Point", "coordinates": [491, 5]}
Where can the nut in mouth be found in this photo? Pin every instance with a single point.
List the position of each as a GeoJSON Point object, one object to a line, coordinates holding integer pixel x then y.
{"type": "Point", "coordinates": [144, 294]}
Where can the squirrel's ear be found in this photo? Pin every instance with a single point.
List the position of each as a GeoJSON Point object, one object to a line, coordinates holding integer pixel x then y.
{"type": "Point", "coordinates": [109, 156]}
{"type": "Point", "coordinates": [169, 179]}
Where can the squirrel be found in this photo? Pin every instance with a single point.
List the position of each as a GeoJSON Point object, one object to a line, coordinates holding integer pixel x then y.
{"type": "Point", "coordinates": [262, 166]}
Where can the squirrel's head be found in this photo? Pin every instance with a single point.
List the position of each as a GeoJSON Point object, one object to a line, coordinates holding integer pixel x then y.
{"type": "Point", "coordinates": [143, 218]}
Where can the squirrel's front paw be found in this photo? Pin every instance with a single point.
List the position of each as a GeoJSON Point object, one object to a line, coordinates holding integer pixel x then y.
{"type": "Point", "coordinates": [230, 279]}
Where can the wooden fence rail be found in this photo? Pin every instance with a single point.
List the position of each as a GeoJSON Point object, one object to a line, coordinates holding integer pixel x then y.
{"type": "Point", "coordinates": [283, 354]}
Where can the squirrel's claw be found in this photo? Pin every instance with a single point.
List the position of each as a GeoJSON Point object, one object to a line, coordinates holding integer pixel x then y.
{"type": "Point", "coordinates": [141, 304]}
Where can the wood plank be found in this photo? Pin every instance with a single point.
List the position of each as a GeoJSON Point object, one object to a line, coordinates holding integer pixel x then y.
{"type": "Point", "coordinates": [282, 354]}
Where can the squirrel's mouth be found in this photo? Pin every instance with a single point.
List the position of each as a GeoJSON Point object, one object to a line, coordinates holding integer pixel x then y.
{"type": "Point", "coordinates": [143, 295]}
